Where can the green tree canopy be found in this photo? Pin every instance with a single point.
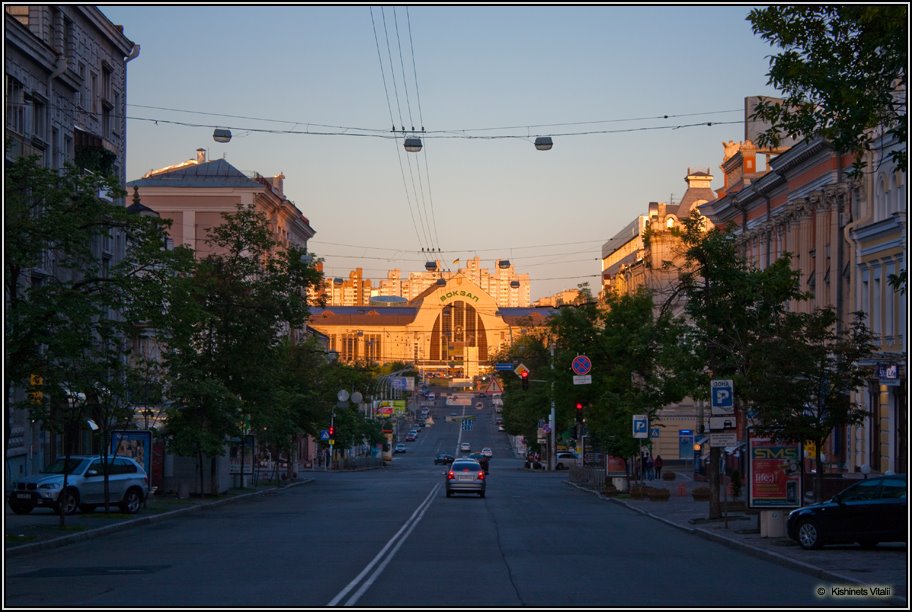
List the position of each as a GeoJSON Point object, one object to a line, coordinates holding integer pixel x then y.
{"type": "Point", "coordinates": [843, 72]}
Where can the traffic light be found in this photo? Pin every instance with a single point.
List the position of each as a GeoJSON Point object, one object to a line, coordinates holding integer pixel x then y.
{"type": "Point", "coordinates": [579, 412]}
{"type": "Point", "coordinates": [332, 432]}
{"type": "Point", "coordinates": [525, 379]}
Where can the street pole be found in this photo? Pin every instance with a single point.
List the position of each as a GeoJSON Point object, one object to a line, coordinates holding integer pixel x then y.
{"type": "Point", "coordinates": [552, 452]}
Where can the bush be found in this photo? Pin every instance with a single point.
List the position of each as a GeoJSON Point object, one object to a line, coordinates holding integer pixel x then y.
{"type": "Point", "coordinates": [657, 494]}
{"type": "Point", "coordinates": [701, 493]}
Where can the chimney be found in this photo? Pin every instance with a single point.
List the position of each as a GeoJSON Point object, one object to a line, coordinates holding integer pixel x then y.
{"type": "Point", "coordinates": [278, 184]}
{"type": "Point", "coordinates": [201, 156]}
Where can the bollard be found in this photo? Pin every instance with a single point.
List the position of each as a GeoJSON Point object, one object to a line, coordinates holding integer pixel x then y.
{"type": "Point", "coordinates": [682, 490]}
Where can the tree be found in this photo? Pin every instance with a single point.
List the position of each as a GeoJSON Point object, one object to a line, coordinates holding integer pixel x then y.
{"type": "Point", "coordinates": [223, 331]}
{"type": "Point", "coordinates": [803, 387]}
{"type": "Point", "coordinates": [524, 408]}
{"type": "Point", "coordinates": [69, 310]}
{"type": "Point", "coordinates": [731, 308]}
{"type": "Point", "coordinates": [843, 71]}
{"type": "Point", "coordinates": [640, 365]}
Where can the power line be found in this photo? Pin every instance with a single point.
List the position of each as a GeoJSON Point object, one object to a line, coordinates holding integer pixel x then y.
{"type": "Point", "coordinates": [386, 133]}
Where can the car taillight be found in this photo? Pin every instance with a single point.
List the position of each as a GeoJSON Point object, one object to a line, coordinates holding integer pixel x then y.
{"type": "Point", "coordinates": [481, 475]}
{"type": "Point", "coordinates": [451, 475]}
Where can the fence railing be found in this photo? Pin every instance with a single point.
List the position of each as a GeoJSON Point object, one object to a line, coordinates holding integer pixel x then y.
{"type": "Point", "coordinates": [590, 478]}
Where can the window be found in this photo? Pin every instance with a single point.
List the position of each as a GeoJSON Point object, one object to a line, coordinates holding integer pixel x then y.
{"type": "Point", "coordinates": [15, 105]}
{"type": "Point", "coordinates": [39, 119]}
{"type": "Point", "coordinates": [106, 82]}
{"type": "Point", "coordinates": [865, 490]}
{"type": "Point", "coordinates": [95, 93]}
{"type": "Point", "coordinates": [82, 101]}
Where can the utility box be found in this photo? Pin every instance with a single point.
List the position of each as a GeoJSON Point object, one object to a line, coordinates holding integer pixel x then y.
{"type": "Point", "coordinates": [772, 523]}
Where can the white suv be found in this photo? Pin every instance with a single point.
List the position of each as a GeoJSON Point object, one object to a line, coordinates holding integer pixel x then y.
{"type": "Point", "coordinates": [128, 486]}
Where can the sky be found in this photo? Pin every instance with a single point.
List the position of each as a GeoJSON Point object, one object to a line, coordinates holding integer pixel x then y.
{"type": "Point", "coordinates": [315, 92]}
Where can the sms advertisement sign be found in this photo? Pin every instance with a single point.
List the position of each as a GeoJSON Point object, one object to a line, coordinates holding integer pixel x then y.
{"type": "Point", "coordinates": [775, 474]}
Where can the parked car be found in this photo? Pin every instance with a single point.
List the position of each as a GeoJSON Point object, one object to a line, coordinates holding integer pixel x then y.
{"type": "Point", "coordinates": [565, 460]}
{"type": "Point", "coordinates": [443, 459]}
{"type": "Point", "coordinates": [870, 511]}
{"type": "Point", "coordinates": [399, 448]}
{"type": "Point", "coordinates": [128, 486]}
{"type": "Point", "coordinates": [465, 476]}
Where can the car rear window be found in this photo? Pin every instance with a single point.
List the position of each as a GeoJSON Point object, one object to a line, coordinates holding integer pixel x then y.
{"type": "Point", "coordinates": [893, 488]}
{"type": "Point", "coordinates": [466, 466]}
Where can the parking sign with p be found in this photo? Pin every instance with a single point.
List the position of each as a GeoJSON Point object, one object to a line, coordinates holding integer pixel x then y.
{"type": "Point", "coordinates": [722, 397]}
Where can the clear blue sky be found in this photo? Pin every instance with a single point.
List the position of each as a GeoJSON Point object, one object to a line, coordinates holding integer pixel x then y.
{"type": "Point", "coordinates": [540, 70]}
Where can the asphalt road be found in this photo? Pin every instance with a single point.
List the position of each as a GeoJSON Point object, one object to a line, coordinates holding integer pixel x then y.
{"type": "Point", "coordinates": [391, 538]}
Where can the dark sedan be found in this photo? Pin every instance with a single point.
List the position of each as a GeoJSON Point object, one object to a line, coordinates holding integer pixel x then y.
{"type": "Point", "coordinates": [444, 459]}
{"type": "Point", "coordinates": [871, 511]}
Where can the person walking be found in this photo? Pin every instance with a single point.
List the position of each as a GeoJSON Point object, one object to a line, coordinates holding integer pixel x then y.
{"type": "Point", "coordinates": [657, 464]}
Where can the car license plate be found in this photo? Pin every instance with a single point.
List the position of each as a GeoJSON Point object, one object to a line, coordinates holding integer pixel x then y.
{"type": "Point", "coordinates": [24, 495]}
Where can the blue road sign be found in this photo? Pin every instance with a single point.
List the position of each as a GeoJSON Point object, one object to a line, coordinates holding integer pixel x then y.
{"type": "Point", "coordinates": [654, 432]}
{"type": "Point", "coordinates": [722, 396]}
{"type": "Point", "coordinates": [324, 435]}
{"type": "Point", "coordinates": [504, 367]}
{"type": "Point", "coordinates": [640, 426]}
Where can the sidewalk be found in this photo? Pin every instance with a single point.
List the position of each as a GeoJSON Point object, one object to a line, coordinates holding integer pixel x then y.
{"type": "Point", "coordinates": [845, 565]}
{"type": "Point", "coordinates": [41, 529]}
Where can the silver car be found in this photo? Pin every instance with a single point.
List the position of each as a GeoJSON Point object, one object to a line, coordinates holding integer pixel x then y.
{"type": "Point", "coordinates": [128, 486]}
{"type": "Point", "coordinates": [466, 476]}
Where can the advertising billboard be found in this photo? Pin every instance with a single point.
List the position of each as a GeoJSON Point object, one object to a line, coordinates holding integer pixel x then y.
{"type": "Point", "coordinates": [775, 473]}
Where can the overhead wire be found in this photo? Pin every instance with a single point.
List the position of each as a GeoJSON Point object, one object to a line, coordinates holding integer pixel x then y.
{"type": "Point", "coordinates": [392, 120]}
{"type": "Point", "coordinates": [427, 170]}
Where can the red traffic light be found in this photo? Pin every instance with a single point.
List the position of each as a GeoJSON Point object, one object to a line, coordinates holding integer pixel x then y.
{"type": "Point", "coordinates": [579, 406]}
{"type": "Point", "coordinates": [332, 431]}
{"type": "Point", "coordinates": [525, 374]}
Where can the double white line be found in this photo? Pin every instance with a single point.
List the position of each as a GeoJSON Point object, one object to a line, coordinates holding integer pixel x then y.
{"type": "Point", "coordinates": [372, 571]}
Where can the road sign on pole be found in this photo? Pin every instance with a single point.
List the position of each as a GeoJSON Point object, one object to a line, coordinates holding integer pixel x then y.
{"type": "Point", "coordinates": [722, 397]}
{"type": "Point", "coordinates": [640, 426]}
{"type": "Point", "coordinates": [581, 365]}
{"type": "Point", "coordinates": [520, 369]}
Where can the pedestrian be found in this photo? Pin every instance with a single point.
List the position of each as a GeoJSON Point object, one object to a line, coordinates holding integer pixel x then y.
{"type": "Point", "coordinates": [657, 464]}
{"type": "Point", "coordinates": [649, 468]}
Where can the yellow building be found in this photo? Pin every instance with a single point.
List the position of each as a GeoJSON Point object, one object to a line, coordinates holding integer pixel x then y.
{"type": "Point", "coordinates": [454, 327]}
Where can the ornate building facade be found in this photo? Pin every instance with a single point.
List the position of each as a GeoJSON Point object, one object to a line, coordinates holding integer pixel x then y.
{"type": "Point", "coordinates": [846, 236]}
{"type": "Point", "coordinates": [454, 327]}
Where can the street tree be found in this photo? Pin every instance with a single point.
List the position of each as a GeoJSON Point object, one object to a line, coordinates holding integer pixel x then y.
{"type": "Point", "coordinates": [804, 378]}
{"type": "Point", "coordinates": [730, 307]}
{"type": "Point", "coordinates": [70, 309]}
{"type": "Point", "coordinates": [223, 331]}
{"type": "Point", "coordinates": [843, 71]}
{"type": "Point", "coordinates": [639, 365]}
{"type": "Point", "coordinates": [524, 408]}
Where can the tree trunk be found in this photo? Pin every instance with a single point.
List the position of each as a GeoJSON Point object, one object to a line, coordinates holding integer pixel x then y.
{"type": "Point", "coordinates": [199, 466]}
{"type": "Point", "coordinates": [213, 476]}
{"type": "Point", "coordinates": [715, 482]}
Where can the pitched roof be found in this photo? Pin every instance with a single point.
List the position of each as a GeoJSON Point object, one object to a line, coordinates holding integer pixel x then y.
{"type": "Point", "coordinates": [218, 173]}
